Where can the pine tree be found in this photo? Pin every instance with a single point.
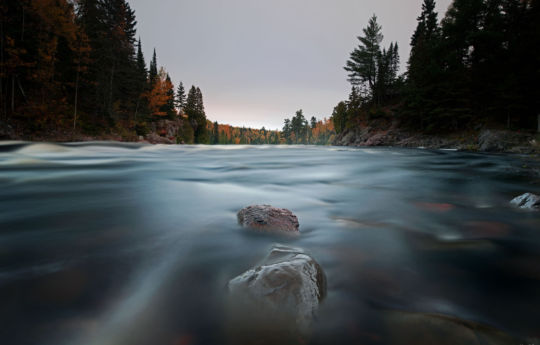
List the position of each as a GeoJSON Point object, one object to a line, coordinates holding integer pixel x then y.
{"type": "Point", "coordinates": [191, 107]}
{"type": "Point", "coordinates": [372, 69]}
{"type": "Point", "coordinates": [141, 82]}
{"type": "Point", "coordinates": [141, 64]}
{"type": "Point", "coordinates": [169, 106]}
{"type": "Point", "coordinates": [313, 122]}
{"type": "Point", "coordinates": [287, 130]}
{"type": "Point", "coordinates": [153, 72]}
{"type": "Point", "coordinates": [180, 97]}
{"type": "Point", "coordinates": [340, 117]}
{"type": "Point", "coordinates": [195, 111]}
{"type": "Point", "coordinates": [425, 70]}
{"type": "Point", "coordinates": [201, 133]}
{"type": "Point", "coordinates": [215, 134]}
{"type": "Point", "coordinates": [362, 64]}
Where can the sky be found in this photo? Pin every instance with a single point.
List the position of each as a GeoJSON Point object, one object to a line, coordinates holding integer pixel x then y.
{"type": "Point", "coordinates": [258, 61]}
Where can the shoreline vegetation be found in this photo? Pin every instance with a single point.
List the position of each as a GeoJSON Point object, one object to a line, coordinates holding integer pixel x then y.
{"type": "Point", "coordinates": [470, 82]}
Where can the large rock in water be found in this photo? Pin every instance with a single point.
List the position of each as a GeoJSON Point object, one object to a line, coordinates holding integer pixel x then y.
{"type": "Point", "coordinates": [268, 218]}
{"type": "Point", "coordinates": [527, 201]}
{"type": "Point", "coordinates": [283, 291]}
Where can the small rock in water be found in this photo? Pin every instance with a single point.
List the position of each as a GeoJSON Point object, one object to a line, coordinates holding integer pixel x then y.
{"type": "Point", "coordinates": [528, 201]}
{"type": "Point", "coordinates": [268, 218]}
{"type": "Point", "coordinates": [285, 289]}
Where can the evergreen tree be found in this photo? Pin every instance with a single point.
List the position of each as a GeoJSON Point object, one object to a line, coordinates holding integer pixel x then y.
{"type": "Point", "coordinates": [287, 130]}
{"type": "Point", "coordinates": [110, 28]}
{"type": "Point", "coordinates": [201, 134]}
{"type": "Point", "coordinates": [191, 107]}
{"type": "Point", "coordinates": [187, 135]}
{"type": "Point", "coordinates": [180, 97]}
{"type": "Point", "coordinates": [340, 117]}
{"type": "Point", "coordinates": [362, 64]}
{"type": "Point", "coordinates": [387, 69]}
{"type": "Point", "coordinates": [375, 71]}
{"type": "Point", "coordinates": [141, 82]}
{"type": "Point", "coordinates": [299, 127]}
{"type": "Point", "coordinates": [215, 134]}
{"type": "Point", "coordinates": [313, 122]}
{"type": "Point", "coordinates": [169, 106]}
{"type": "Point", "coordinates": [195, 111]}
{"type": "Point", "coordinates": [425, 70]}
{"type": "Point", "coordinates": [153, 72]}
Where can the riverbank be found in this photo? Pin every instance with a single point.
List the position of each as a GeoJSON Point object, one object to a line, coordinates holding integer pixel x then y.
{"type": "Point", "coordinates": [481, 140]}
{"type": "Point", "coordinates": [374, 133]}
{"type": "Point", "coordinates": [158, 132]}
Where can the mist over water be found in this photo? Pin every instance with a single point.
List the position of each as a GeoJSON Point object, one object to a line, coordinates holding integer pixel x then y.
{"type": "Point", "coordinates": [106, 243]}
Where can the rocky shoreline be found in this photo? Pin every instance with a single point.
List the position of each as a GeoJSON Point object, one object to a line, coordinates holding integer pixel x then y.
{"type": "Point", "coordinates": [159, 132]}
{"type": "Point", "coordinates": [483, 140]}
{"type": "Point", "coordinates": [372, 135]}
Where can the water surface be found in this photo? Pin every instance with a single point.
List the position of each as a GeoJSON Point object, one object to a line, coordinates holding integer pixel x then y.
{"type": "Point", "coordinates": [118, 244]}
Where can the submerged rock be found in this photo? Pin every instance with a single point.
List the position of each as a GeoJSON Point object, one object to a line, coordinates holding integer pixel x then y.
{"type": "Point", "coordinates": [421, 328]}
{"type": "Point", "coordinates": [285, 289]}
{"type": "Point", "coordinates": [268, 218]}
{"type": "Point", "coordinates": [527, 201]}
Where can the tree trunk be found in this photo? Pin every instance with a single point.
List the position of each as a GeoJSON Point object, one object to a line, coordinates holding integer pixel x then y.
{"type": "Point", "coordinates": [22, 29]}
{"type": "Point", "coordinates": [76, 95]}
{"type": "Point", "coordinates": [12, 94]}
{"type": "Point", "coordinates": [136, 109]}
{"type": "Point", "coordinates": [111, 92]}
{"type": "Point", "coordinates": [538, 123]}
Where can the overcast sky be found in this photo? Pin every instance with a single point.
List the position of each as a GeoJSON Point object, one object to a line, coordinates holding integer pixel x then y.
{"type": "Point", "coordinates": [258, 61]}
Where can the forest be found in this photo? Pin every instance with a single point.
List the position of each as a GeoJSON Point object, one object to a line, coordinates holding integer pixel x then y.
{"type": "Point", "coordinates": [70, 68]}
{"type": "Point", "coordinates": [476, 67]}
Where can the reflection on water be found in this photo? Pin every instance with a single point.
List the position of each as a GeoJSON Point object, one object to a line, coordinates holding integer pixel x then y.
{"type": "Point", "coordinates": [125, 244]}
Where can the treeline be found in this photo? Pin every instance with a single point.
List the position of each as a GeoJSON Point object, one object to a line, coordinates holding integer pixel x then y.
{"type": "Point", "coordinates": [229, 135]}
{"type": "Point", "coordinates": [77, 65]}
{"type": "Point", "coordinates": [477, 66]}
{"type": "Point", "coordinates": [298, 130]}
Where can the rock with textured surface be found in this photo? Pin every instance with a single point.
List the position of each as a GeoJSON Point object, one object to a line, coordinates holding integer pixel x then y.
{"type": "Point", "coordinates": [269, 219]}
{"type": "Point", "coordinates": [527, 201]}
{"type": "Point", "coordinates": [153, 138]}
{"type": "Point", "coordinates": [288, 285]}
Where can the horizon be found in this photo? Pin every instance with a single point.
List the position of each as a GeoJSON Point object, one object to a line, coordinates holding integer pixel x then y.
{"type": "Point", "coordinates": [303, 60]}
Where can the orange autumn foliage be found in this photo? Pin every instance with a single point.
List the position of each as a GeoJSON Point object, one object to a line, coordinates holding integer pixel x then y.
{"type": "Point", "coordinates": [158, 95]}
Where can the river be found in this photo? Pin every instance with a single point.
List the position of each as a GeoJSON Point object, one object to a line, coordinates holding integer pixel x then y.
{"type": "Point", "coordinates": [104, 243]}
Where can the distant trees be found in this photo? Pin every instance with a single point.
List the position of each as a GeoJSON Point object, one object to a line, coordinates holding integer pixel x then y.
{"type": "Point", "coordinates": [229, 135]}
{"type": "Point", "coordinates": [298, 130]}
{"type": "Point", "coordinates": [340, 117]}
{"type": "Point", "coordinates": [194, 110]}
{"type": "Point", "coordinates": [161, 96]}
{"type": "Point", "coordinates": [180, 97]}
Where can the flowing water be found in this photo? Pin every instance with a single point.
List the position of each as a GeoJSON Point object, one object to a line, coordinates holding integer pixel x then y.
{"type": "Point", "coordinates": [118, 244]}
